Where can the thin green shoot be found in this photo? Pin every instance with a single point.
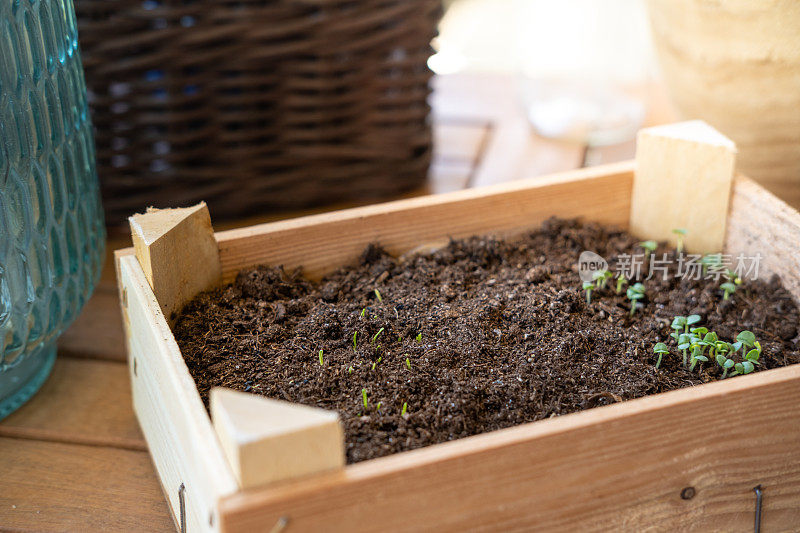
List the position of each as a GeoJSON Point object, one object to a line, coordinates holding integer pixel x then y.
{"type": "Point", "coordinates": [728, 288]}
{"type": "Point", "coordinates": [375, 337]}
{"type": "Point", "coordinates": [378, 295]}
{"type": "Point", "coordinates": [660, 349]}
{"type": "Point", "coordinates": [588, 286]}
{"type": "Point", "coordinates": [404, 410]}
{"type": "Point", "coordinates": [321, 362]}
{"type": "Point", "coordinates": [680, 234]}
{"type": "Point", "coordinates": [408, 363]}
{"type": "Point", "coordinates": [621, 281]}
{"type": "Point", "coordinates": [601, 278]}
{"type": "Point", "coordinates": [418, 337]}
{"type": "Point", "coordinates": [635, 293]}
{"type": "Point", "coordinates": [364, 398]}
{"type": "Point", "coordinates": [350, 369]}
{"type": "Point", "coordinates": [378, 407]}
{"type": "Point", "coordinates": [363, 312]}
{"type": "Point", "coordinates": [355, 335]}
{"type": "Point", "coordinates": [649, 247]}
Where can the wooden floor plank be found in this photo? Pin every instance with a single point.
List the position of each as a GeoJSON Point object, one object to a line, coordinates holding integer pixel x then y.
{"type": "Point", "coordinates": [50, 486]}
{"type": "Point", "coordinates": [83, 401]}
{"type": "Point", "coordinates": [97, 332]}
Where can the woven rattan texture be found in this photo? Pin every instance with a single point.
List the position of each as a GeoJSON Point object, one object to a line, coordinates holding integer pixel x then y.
{"type": "Point", "coordinates": [257, 106]}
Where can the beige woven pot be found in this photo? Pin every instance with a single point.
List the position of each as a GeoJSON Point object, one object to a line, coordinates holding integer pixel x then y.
{"type": "Point", "coordinates": [736, 64]}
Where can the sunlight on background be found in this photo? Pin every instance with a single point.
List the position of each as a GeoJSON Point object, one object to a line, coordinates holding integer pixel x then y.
{"type": "Point", "coordinates": [575, 60]}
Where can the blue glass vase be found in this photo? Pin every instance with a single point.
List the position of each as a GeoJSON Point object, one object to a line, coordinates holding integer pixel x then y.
{"type": "Point", "coordinates": [51, 225]}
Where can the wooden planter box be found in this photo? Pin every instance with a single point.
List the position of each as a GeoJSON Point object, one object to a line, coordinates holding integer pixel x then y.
{"type": "Point", "coordinates": [619, 467]}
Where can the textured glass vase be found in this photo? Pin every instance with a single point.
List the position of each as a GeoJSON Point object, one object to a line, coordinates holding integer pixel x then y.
{"type": "Point", "coordinates": [51, 226]}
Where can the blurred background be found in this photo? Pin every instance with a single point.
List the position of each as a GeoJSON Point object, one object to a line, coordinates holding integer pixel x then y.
{"type": "Point", "coordinates": [273, 109]}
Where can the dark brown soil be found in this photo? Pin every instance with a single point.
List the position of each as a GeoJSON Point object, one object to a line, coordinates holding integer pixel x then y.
{"type": "Point", "coordinates": [506, 336]}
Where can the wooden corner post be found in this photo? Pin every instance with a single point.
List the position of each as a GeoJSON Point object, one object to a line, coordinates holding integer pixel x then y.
{"type": "Point", "coordinates": [683, 180]}
{"type": "Point", "coordinates": [178, 253]}
{"type": "Point", "coordinates": [271, 440]}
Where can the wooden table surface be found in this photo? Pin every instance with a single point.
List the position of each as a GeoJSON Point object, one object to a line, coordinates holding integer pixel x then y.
{"type": "Point", "coordinates": [73, 457]}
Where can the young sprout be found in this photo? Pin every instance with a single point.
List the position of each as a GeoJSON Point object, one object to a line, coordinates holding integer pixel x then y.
{"type": "Point", "coordinates": [601, 278]}
{"type": "Point", "coordinates": [408, 363]}
{"type": "Point", "coordinates": [661, 349]}
{"type": "Point", "coordinates": [745, 367]}
{"type": "Point", "coordinates": [350, 369]}
{"type": "Point", "coordinates": [710, 260]}
{"type": "Point", "coordinates": [621, 281]}
{"type": "Point", "coordinates": [681, 233]}
{"type": "Point", "coordinates": [355, 334]}
{"type": "Point", "coordinates": [364, 398]}
{"type": "Point", "coordinates": [419, 337]}
{"type": "Point", "coordinates": [405, 408]}
{"type": "Point", "coordinates": [375, 337]}
{"type": "Point", "coordinates": [374, 365]}
{"type": "Point", "coordinates": [697, 356]}
{"type": "Point", "coordinates": [725, 363]}
{"type": "Point", "coordinates": [728, 288]}
{"type": "Point", "coordinates": [363, 312]}
{"type": "Point", "coordinates": [635, 293]}
{"type": "Point", "coordinates": [378, 295]}
{"type": "Point", "coordinates": [649, 247]}
{"type": "Point", "coordinates": [378, 407]}
{"type": "Point", "coordinates": [588, 286]}
{"type": "Point", "coordinates": [320, 358]}
{"type": "Point", "coordinates": [731, 275]}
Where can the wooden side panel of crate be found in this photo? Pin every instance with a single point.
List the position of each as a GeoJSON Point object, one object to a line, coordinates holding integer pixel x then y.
{"type": "Point", "coordinates": [616, 468]}
{"type": "Point", "coordinates": [761, 223]}
{"type": "Point", "coordinates": [322, 243]}
{"type": "Point", "coordinates": [182, 442]}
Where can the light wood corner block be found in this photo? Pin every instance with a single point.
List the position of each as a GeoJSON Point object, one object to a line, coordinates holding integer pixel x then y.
{"type": "Point", "coordinates": [269, 440]}
{"type": "Point", "coordinates": [683, 180]}
{"type": "Point", "coordinates": [178, 253]}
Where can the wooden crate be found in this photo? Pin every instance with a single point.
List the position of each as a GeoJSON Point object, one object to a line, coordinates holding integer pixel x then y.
{"type": "Point", "coordinates": [618, 467]}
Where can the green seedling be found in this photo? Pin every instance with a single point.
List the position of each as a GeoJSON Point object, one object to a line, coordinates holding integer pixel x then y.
{"type": "Point", "coordinates": [374, 365]}
{"type": "Point", "coordinates": [364, 398]}
{"type": "Point", "coordinates": [378, 407]}
{"type": "Point", "coordinates": [321, 362]}
{"type": "Point", "coordinates": [726, 364]}
{"type": "Point", "coordinates": [745, 367]}
{"type": "Point", "coordinates": [408, 363]}
{"type": "Point", "coordinates": [350, 369]}
{"type": "Point", "coordinates": [697, 356]}
{"type": "Point", "coordinates": [404, 410]}
{"type": "Point", "coordinates": [661, 349]}
{"type": "Point", "coordinates": [418, 337]}
{"type": "Point", "coordinates": [375, 337]}
{"type": "Point", "coordinates": [731, 275]}
{"type": "Point", "coordinates": [588, 286]}
{"type": "Point", "coordinates": [728, 288]}
{"type": "Point", "coordinates": [621, 281]}
{"type": "Point", "coordinates": [601, 278]}
{"type": "Point", "coordinates": [355, 335]}
{"type": "Point", "coordinates": [680, 234]}
{"type": "Point", "coordinates": [363, 312]}
{"type": "Point", "coordinates": [378, 295]}
{"type": "Point", "coordinates": [649, 247]}
{"type": "Point", "coordinates": [635, 293]}
{"type": "Point", "coordinates": [710, 260]}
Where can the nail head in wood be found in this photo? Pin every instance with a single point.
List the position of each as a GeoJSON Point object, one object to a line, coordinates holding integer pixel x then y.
{"type": "Point", "coordinates": [683, 179]}
{"type": "Point", "coordinates": [269, 440]}
{"type": "Point", "coordinates": [178, 253]}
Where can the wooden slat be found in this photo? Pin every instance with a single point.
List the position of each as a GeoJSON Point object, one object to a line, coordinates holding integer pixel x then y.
{"type": "Point", "coordinates": [97, 332]}
{"type": "Point", "coordinates": [615, 468]}
{"type": "Point", "coordinates": [177, 428]}
{"type": "Point", "coordinates": [321, 243]}
{"type": "Point", "coordinates": [50, 486]}
{"type": "Point", "coordinates": [83, 401]}
{"type": "Point", "coordinates": [760, 223]}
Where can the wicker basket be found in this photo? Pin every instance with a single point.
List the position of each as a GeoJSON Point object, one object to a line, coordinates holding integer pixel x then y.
{"type": "Point", "coordinates": [260, 105]}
